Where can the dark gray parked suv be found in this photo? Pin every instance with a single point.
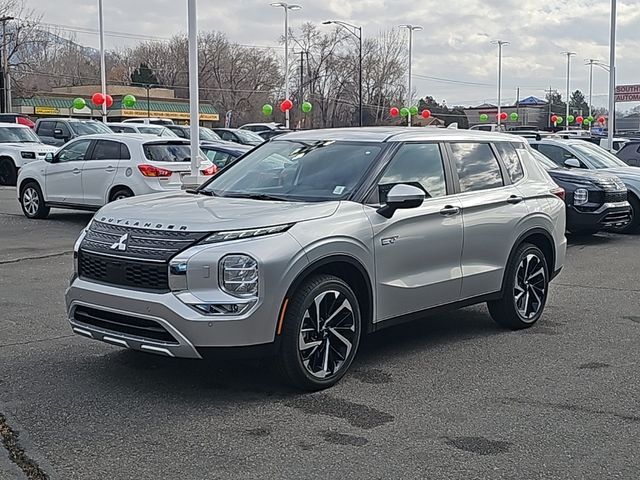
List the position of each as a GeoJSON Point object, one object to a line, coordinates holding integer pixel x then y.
{"type": "Point", "coordinates": [58, 131]}
{"type": "Point", "coordinates": [316, 238]}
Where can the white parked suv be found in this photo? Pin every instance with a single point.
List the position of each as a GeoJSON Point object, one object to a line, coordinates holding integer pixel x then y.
{"type": "Point", "coordinates": [90, 171]}
{"type": "Point", "coordinates": [149, 129]}
{"type": "Point", "coordinates": [18, 146]}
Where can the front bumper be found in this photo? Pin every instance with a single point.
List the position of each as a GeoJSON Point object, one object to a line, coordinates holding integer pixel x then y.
{"type": "Point", "coordinates": [112, 309]}
{"type": "Point", "coordinates": [608, 215]}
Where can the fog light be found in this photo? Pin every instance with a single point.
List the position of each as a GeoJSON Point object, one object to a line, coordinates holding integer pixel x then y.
{"type": "Point", "coordinates": [580, 196]}
{"type": "Point", "coordinates": [222, 308]}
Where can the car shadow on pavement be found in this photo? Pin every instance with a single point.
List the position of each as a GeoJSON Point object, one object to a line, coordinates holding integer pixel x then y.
{"type": "Point", "coordinates": [251, 380]}
{"type": "Point", "coordinates": [599, 239]}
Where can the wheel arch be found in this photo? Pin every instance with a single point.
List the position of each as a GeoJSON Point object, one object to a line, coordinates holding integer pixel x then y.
{"type": "Point", "coordinates": [542, 239]}
{"type": "Point", "coordinates": [25, 181]}
{"type": "Point", "coordinates": [115, 188]}
{"type": "Point", "coordinates": [350, 270]}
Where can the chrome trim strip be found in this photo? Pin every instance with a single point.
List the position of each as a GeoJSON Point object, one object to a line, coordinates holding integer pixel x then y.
{"type": "Point", "coordinates": [83, 332]}
{"type": "Point", "coordinates": [151, 348]}
{"type": "Point", "coordinates": [116, 341]}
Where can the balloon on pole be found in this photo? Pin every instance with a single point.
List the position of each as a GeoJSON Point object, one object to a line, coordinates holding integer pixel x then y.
{"type": "Point", "coordinates": [108, 100]}
{"type": "Point", "coordinates": [267, 109]}
{"type": "Point", "coordinates": [306, 107]}
{"type": "Point", "coordinates": [98, 98]}
{"type": "Point", "coordinates": [484, 117]}
{"type": "Point", "coordinates": [426, 114]}
{"type": "Point", "coordinates": [413, 110]}
{"type": "Point", "coordinates": [602, 120]}
{"type": "Point", "coordinates": [503, 116]}
{"type": "Point", "coordinates": [404, 111]}
{"type": "Point", "coordinates": [129, 100]}
{"type": "Point", "coordinates": [570, 119]}
{"type": "Point", "coordinates": [580, 119]}
{"type": "Point", "coordinates": [394, 112]}
{"type": "Point", "coordinates": [514, 117]}
{"type": "Point", "coordinates": [286, 105]}
{"type": "Point", "coordinates": [554, 118]}
{"type": "Point", "coordinates": [560, 120]}
{"type": "Point", "coordinates": [79, 103]}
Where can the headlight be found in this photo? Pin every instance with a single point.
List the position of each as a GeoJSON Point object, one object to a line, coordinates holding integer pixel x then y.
{"type": "Point", "coordinates": [238, 275]}
{"type": "Point", "coordinates": [31, 155]}
{"type": "Point", "coordinates": [580, 196]}
{"type": "Point", "coordinates": [218, 237]}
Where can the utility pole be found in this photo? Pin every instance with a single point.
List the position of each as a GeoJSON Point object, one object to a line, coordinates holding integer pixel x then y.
{"type": "Point", "coordinates": [301, 94]}
{"type": "Point", "coordinates": [6, 86]}
{"type": "Point", "coordinates": [518, 102]}
{"type": "Point", "coordinates": [550, 92]}
{"type": "Point", "coordinates": [500, 44]}
{"type": "Point", "coordinates": [569, 55]}
{"type": "Point", "coordinates": [103, 72]}
{"type": "Point", "coordinates": [591, 62]}
{"type": "Point", "coordinates": [612, 77]}
{"type": "Point", "coordinates": [411, 28]}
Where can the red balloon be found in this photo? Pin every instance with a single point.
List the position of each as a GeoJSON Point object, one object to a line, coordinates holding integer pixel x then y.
{"type": "Point", "coordinates": [98, 98]}
{"type": "Point", "coordinates": [602, 120]}
{"type": "Point", "coordinates": [580, 119]}
{"type": "Point", "coordinates": [503, 116]}
{"type": "Point", "coordinates": [554, 118]}
{"type": "Point", "coordinates": [426, 114]}
{"type": "Point", "coordinates": [108, 100]}
{"type": "Point", "coordinates": [394, 111]}
{"type": "Point", "coordinates": [286, 105]}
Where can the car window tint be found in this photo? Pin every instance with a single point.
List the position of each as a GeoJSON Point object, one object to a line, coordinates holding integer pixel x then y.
{"type": "Point", "coordinates": [477, 166]}
{"type": "Point", "coordinates": [65, 130]}
{"type": "Point", "coordinates": [74, 152]}
{"type": "Point", "coordinates": [46, 128]}
{"type": "Point", "coordinates": [419, 165]}
{"type": "Point", "coordinates": [228, 136]}
{"type": "Point", "coordinates": [219, 159]}
{"type": "Point", "coordinates": [556, 154]}
{"type": "Point", "coordinates": [511, 160]}
{"type": "Point", "coordinates": [124, 152]}
{"type": "Point", "coordinates": [106, 150]}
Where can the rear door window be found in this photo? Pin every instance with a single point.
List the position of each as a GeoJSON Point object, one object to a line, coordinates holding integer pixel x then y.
{"type": "Point", "coordinates": [511, 160]}
{"type": "Point", "coordinates": [106, 150]}
{"type": "Point", "coordinates": [477, 166]}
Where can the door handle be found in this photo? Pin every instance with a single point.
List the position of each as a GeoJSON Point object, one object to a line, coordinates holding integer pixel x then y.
{"type": "Point", "coordinates": [76, 171]}
{"type": "Point", "coordinates": [110, 169]}
{"type": "Point", "coordinates": [450, 210]}
{"type": "Point", "coordinates": [514, 199]}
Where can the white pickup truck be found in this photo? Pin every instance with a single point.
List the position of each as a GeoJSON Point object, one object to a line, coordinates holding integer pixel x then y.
{"type": "Point", "coordinates": [19, 145]}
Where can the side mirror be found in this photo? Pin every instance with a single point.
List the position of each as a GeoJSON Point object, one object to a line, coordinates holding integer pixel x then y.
{"type": "Point", "coordinates": [572, 163]}
{"type": "Point", "coordinates": [49, 157]}
{"type": "Point", "coordinates": [57, 133]}
{"type": "Point", "coordinates": [401, 196]}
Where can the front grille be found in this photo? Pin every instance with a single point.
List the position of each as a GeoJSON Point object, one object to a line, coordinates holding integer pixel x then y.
{"type": "Point", "coordinates": [124, 324]}
{"type": "Point", "coordinates": [124, 272]}
{"type": "Point", "coordinates": [617, 218]}
{"type": "Point", "coordinates": [615, 196]}
{"type": "Point", "coordinates": [130, 256]}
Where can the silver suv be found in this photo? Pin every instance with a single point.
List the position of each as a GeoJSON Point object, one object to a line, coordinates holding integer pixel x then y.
{"type": "Point", "coordinates": [318, 237]}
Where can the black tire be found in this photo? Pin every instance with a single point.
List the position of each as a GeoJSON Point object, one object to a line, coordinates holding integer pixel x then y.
{"type": "Point", "coordinates": [32, 201]}
{"type": "Point", "coordinates": [8, 172]}
{"type": "Point", "coordinates": [508, 311]}
{"type": "Point", "coordinates": [120, 193]}
{"type": "Point", "coordinates": [634, 225]}
{"type": "Point", "coordinates": [309, 368]}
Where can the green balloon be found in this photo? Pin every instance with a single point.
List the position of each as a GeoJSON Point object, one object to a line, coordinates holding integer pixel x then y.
{"type": "Point", "coordinates": [586, 122]}
{"type": "Point", "coordinates": [129, 100]}
{"type": "Point", "coordinates": [590, 118]}
{"type": "Point", "coordinates": [515, 116]}
{"type": "Point", "coordinates": [570, 119]}
{"type": "Point", "coordinates": [413, 110]}
{"type": "Point", "coordinates": [79, 103]}
{"type": "Point", "coordinates": [404, 112]}
{"type": "Point", "coordinates": [560, 120]}
{"type": "Point", "coordinates": [484, 117]}
{"type": "Point", "coordinates": [267, 109]}
{"type": "Point", "coordinates": [306, 107]}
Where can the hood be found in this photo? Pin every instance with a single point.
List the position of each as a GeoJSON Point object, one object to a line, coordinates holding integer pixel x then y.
{"type": "Point", "coordinates": [578, 175]}
{"type": "Point", "coordinates": [626, 172]}
{"type": "Point", "coordinates": [185, 211]}
{"type": "Point", "coordinates": [30, 147]}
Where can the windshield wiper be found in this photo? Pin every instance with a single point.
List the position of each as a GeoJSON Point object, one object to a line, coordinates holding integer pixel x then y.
{"type": "Point", "coordinates": [258, 196]}
{"type": "Point", "coordinates": [209, 193]}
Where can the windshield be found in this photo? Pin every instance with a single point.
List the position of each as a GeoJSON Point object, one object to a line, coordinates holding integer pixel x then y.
{"type": "Point", "coordinates": [209, 135]}
{"type": "Point", "coordinates": [249, 137]}
{"type": "Point", "coordinates": [303, 171]}
{"type": "Point", "coordinates": [89, 128]}
{"type": "Point", "coordinates": [547, 163]}
{"type": "Point", "coordinates": [598, 156]}
{"type": "Point", "coordinates": [169, 152]}
{"type": "Point", "coordinates": [155, 130]}
{"type": "Point", "coordinates": [18, 135]}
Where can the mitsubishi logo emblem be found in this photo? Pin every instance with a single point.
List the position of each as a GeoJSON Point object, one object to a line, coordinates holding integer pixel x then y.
{"type": "Point", "coordinates": [121, 244]}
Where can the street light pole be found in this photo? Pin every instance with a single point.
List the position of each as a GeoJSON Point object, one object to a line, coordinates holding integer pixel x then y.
{"type": "Point", "coordinates": [411, 28]}
{"type": "Point", "coordinates": [6, 77]}
{"type": "Point", "coordinates": [352, 29]}
{"type": "Point", "coordinates": [194, 94]}
{"type": "Point", "coordinates": [286, 7]}
{"type": "Point", "coordinates": [612, 76]}
{"type": "Point", "coordinates": [500, 44]}
{"type": "Point", "coordinates": [569, 55]}
{"type": "Point", "coordinates": [590, 62]}
{"type": "Point", "coordinates": [103, 73]}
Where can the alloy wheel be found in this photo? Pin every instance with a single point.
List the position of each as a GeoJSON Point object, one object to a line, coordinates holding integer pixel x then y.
{"type": "Point", "coordinates": [530, 287]}
{"type": "Point", "coordinates": [327, 334]}
{"type": "Point", "coordinates": [30, 201]}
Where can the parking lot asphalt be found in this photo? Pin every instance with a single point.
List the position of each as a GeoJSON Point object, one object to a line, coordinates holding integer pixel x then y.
{"type": "Point", "coordinates": [447, 397]}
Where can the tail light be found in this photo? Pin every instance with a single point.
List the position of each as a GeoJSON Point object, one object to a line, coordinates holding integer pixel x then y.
{"type": "Point", "coordinates": [25, 121]}
{"type": "Point", "coordinates": [153, 171]}
{"type": "Point", "coordinates": [559, 192]}
{"type": "Point", "coordinates": [212, 170]}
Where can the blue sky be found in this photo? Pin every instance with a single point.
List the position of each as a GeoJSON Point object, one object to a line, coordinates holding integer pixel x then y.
{"type": "Point", "coordinates": [455, 43]}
